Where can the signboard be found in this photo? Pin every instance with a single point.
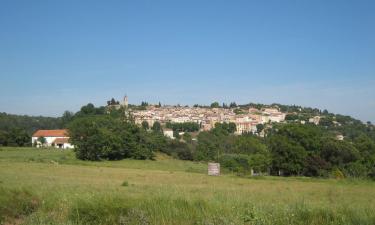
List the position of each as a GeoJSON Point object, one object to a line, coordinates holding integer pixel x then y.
{"type": "Point", "coordinates": [213, 169]}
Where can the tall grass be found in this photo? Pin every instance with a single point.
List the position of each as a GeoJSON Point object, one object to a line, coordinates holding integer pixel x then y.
{"type": "Point", "coordinates": [164, 192]}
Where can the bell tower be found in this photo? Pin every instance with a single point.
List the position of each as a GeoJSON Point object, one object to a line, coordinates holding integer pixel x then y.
{"type": "Point", "coordinates": [125, 102]}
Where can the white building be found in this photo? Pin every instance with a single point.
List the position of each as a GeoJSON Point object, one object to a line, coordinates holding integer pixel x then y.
{"type": "Point", "coordinates": [315, 120]}
{"type": "Point", "coordinates": [339, 137]}
{"type": "Point", "coordinates": [168, 133]}
{"type": "Point", "coordinates": [53, 138]}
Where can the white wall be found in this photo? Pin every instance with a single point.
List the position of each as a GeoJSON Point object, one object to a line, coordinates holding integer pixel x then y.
{"type": "Point", "coordinates": [49, 141]}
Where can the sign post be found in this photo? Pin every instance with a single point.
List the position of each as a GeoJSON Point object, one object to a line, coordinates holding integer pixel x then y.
{"type": "Point", "coordinates": [213, 169]}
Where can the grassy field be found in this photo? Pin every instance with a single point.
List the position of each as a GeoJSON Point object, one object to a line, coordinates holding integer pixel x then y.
{"type": "Point", "coordinates": [52, 187]}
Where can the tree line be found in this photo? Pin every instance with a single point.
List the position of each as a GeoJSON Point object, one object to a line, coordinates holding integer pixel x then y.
{"type": "Point", "coordinates": [16, 130]}
{"type": "Point", "coordinates": [290, 149]}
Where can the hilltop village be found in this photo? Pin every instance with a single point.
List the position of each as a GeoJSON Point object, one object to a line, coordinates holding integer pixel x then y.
{"type": "Point", "coordinates": [206, 117]}
{"type": "Point", "coordinates": [245, 118]}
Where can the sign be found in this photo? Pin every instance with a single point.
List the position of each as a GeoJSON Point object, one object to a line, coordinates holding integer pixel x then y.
{"type": "Point", "coordinates": [213, 169]}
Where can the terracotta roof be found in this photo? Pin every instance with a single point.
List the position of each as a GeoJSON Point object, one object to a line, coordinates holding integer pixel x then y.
{"type": "Point", "coordinates": [51, 133]}
{"type": "Point", "coordinates": [61, 140]}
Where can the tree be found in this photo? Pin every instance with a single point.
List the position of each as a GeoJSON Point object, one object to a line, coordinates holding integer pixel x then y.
{"type": "Point", "coordinates": [183, 127]}
{"type": "Point", "coordinates": [66, 118]}
{"type": "Point", "coordinates": [232, 127]}
{"type": "Point", "coordinates": [18, 137]}
{"type": "Point", "coordinates": [215, 105]}
{"type": "Point", "coordinates": [226, 128]}
{"type": "Point", "coordinates": [156, 127]}
{"type": "Point", "coordinates": [308, 136]}
{"type": "Point", "coordinates": [326, 122]}
{"type": "Point", "coordinates": [365, 146]}
{"type": "Point", "coordinates": [94, 138]}
{"type": "Point", "coordinates": [105, 137]}
{"type": "Point", "coordinates": [316, 166]}
{"type": "Point", "coordinates": [208, 147]}
{"type": "Point", "coordinates": [29, 124]}
{"type": "Point", "coordinates": [186, 137]}
{"type": "Point", "coordinates": [238, 111]}
{"type": "Point", "coordinates": [176, 134]}
{"type": "Point", "coordinates": [291, 117]}
{"type": "Point", "coordinates": [90, 109]}
{"type": "Point", "coordinates": [180, 150]}
{"type": "Point", "coordinates": [259, 156]}
{"type": "Point", "coordinates": [288, 157]}
{"type": "Point", "coordinates": [3, 138]}
{"type": "Point", "coordinates": [42, 141]}
{"type": "Point", "coordinates": [339, 153]}
{"type": "Point", "coordinates": [246, 144]}
{"type": "Point", "coordinates": [145, 125]}
{"type": "Point", "coordinates": [260, 127]}
{"type": "Point", "coordinates": [232, 105]}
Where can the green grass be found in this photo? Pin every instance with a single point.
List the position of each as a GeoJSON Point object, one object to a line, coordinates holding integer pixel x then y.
{"type": "Point", "coordinates": [44, 186]}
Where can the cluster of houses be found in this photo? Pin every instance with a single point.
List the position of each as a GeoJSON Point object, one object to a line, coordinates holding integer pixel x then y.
{"type": "Point", "coordinates": [246, 121]}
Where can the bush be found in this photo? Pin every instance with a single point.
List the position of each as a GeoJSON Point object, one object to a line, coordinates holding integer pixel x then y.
{"type": "Point", "coordinates": [355, 169]}
{"type": "Point", "coordinates": [180, 150]}
{"type": "Point", "coordinates": [372, 173]}
{"type": "Point", "coordinates": [236, 163]}
{"type": "Point", "coordinates": [337, 174]}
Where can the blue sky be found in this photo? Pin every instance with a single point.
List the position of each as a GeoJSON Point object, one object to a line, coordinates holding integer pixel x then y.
{"type": "Point", "coordinates": [59, 55]}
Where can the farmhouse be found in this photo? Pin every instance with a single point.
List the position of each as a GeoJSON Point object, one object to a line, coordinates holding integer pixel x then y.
{"type": "Point", "coordinates": [51, 138]}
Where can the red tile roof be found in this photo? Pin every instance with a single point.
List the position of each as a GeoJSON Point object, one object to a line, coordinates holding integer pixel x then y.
{"type": "Point", "coordinates": [61, 140]}
{"type": "Point", "coordinates": [51, 133]}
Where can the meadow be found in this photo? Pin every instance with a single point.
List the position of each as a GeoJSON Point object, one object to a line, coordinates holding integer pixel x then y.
{"type": "Point", "coordinates": [47, 186]}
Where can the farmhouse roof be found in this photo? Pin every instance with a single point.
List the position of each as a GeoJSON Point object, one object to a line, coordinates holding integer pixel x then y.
{"type": "Point", "coordinates": [51, 133]}
{"type": "Point", "coordinates": [61, 140]}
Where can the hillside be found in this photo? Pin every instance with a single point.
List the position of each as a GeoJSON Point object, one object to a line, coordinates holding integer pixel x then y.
{"type": "Point", "coordinates": [28, 123]}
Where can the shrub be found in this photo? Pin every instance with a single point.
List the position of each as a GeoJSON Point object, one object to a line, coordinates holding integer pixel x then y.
{"type": "Point", "coordinates": [236, 163]}
{"type": "Point", "coordinates": [356, 170]}
{"type": "Point", "coordinates": [372, 173]}
{"type": "Point", "coordinates": [337, 174]}
{"type": "Point", "coordinates": [180, 150]}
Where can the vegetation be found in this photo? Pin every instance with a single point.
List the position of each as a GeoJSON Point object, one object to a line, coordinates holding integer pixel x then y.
{"type": "Point", "coordinates": [291, 149]}
{"type": "Point", "coordinates": [104, 137]}
{"type": "Point", "coordinates": [183, 127]}
{"type": "Point", "coordinates": [17, 130]}
{"type": "Point", "coordinates": [47, 186]}
{"type": "Point", "coordinates": [215, 105]}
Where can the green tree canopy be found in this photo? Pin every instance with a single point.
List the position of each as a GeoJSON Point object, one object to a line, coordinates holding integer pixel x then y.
{"type": "Point", "coordinates": [104, 137]}
{"type": "Point", "coordinates": [215, 105]}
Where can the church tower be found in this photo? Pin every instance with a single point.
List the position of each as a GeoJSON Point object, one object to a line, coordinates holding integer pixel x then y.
{"type": "Point", "coordinates": [125, 102]}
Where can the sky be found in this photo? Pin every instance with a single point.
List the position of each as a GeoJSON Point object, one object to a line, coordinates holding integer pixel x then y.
{"type": "Point", "coordinates": [60, 55]}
